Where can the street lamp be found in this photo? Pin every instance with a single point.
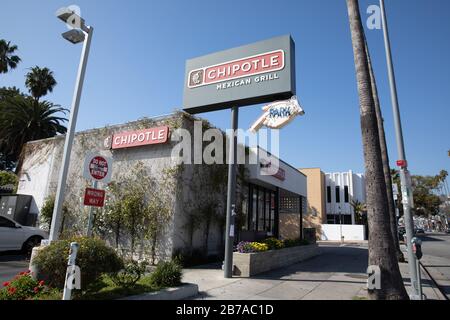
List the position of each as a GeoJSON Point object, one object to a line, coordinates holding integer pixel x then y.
{"type": "Point", "coordinates": [80, 32]}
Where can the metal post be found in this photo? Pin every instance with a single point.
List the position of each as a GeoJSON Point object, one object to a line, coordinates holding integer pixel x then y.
{"type": "Point", "coordinates": [405, 183]}
{"type": "Point", "coordinates": [59, 199]}
{"type": "Point", "coordinates": [91, 213]}
{"type": "Point", "coordinates": [231, 197]}
{"type": "Point", "coordinates": [420, 282]}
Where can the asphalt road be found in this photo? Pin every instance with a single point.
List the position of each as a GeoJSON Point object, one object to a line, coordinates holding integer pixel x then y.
{"type": "Point", "coordinates": [436, 259]}
{"type": "Point", "coordinates": [11, 263]}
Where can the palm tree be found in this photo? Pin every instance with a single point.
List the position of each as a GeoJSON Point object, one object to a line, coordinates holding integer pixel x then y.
{"type": "Point", "coordinates": [385, 160]}
{"type": "Point", "coordinates": [23, 119]}
{"type": "Point", "coordinates": [7, 58]}
{"type": "Point", "coordinates": [359, 209]}
{"type": "Point", "coordinates": [40, 81]}
{"type": "Point", "coordinates": [381, 245]}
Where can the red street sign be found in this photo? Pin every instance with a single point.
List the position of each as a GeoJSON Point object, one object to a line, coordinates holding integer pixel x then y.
{"type": "Point", "coordinates": [98, 167]}
{"type": "Point", "coordinates": [401, 163]}
{"type": "Point", "coordinates": [140, 137]}
{"type": "Point", "coordinates": [94, 197]}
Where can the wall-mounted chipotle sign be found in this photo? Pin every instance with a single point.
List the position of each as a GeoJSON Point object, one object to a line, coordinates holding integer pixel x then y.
{"type": "Point", "coordinates": [139, 138]}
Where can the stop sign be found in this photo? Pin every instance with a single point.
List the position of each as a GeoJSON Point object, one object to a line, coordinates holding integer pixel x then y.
{"type": "Point", "coordinates": [97, 167]}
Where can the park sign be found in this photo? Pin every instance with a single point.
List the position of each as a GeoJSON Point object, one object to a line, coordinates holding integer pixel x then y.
{"type": "Point", "coordinates": [256, 73]}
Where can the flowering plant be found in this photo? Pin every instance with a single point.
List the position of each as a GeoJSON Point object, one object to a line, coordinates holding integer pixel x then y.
{"type": "Point", "coordinates": [22, 287]}
{"type": "Point", "coordinates": [248, 247]}
{"type": "Point", "coordinates": [274, 243]}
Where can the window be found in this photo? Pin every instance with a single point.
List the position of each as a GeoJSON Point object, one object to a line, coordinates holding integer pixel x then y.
{"type": "Point", "coordinates": [346, 194]}
{"type": "Point", "coordinates": [6, 223]}
{"type": "Point", "coordinates": [338, 196]}
{"type": "Point", "coordinates": [329, 194]}
{"type": "Point", "coordinates": [261, 209]}
{"type": "Point", "coordinates": [267, 211]}
{"type": "Point", "coordinates": [254, 209]}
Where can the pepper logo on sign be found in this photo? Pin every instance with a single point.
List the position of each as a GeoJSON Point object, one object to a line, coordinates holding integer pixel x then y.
{"type": "Point", "coordinates": [235, 69]}
{"type": "Point", "coordinates": [140, 138]}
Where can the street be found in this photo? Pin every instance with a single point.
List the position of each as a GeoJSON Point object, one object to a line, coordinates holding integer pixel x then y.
{"type": "Point", "coordinates": [11, 263]}
{"type": "Point", "coordinates": [436, 259]}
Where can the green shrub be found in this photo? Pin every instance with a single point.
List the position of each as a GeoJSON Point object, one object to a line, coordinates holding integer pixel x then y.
{"type": "Point", "coordinates": [7, 177]}
{"type": "Point", "coordinates": [167, 274]}
{"type": "Point", "coordinates": [295, 242]}
{"type": "Point", "coordinates": [274, 243]}
{"type": "Point", "coordinates": [130, 274]}
{"type": "Point", "coordinates": [94, 257]}
{"type": "Point", "coordinates": [23, 287]}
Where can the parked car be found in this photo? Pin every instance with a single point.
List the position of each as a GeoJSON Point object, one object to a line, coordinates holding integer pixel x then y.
{"type": "Point", "coordinates": [14, 236]}
{"type": "Point", "coordinates": [420, 231]}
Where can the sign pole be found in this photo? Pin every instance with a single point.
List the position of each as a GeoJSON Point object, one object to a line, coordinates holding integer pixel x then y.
{"type": "Point", "coordinates": [91, 214]}
{"type": "Point", "coordinates": [404, 181]}
{"type": "Point", "coordinates": [231, 197]}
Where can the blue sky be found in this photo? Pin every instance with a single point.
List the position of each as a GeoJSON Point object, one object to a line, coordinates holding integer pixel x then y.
{"type": "Point", "coordinates": [139, 48]}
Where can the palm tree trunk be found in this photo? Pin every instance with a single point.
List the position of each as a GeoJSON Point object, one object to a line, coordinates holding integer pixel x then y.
{"type": "Point", "coordinates": [385, 160]}
{"type": "Point", "coordinates": [381, 246]}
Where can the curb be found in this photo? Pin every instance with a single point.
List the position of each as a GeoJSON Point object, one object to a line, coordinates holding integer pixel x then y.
{"type": "Point", "coordinates": [184, 291]}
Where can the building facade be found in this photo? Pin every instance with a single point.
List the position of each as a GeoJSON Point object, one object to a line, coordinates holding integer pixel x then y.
{"type": "Point", "coordinates": [341, 188]}
{"type": "Point", "coordinates": [315, 213]}
{"type": "Point", "coordinates": [194, 194]}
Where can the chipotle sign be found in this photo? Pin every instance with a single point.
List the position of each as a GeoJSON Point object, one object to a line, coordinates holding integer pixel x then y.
{"type": "Point", "coordinates": [139, 138]}
{"type": "Point", "coordinates": [248, 66]}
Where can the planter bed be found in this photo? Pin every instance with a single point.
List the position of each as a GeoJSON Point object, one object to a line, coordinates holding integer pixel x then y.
{"type": "Point", "coordinates": [249, 264]}
{"type": "Point", "coordinates": [186, 290]}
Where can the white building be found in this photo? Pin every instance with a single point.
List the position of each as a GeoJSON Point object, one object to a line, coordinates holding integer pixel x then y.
{"type": "Point", "coordinates": [341, 188]}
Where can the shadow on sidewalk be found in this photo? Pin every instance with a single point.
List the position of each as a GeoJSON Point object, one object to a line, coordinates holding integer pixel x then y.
{"type": "Point", "coordinates": [347, 260]}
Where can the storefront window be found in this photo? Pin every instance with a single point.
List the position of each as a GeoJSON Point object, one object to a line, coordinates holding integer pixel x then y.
{"type": "Point", "coordinates": [261, 209]}
{"type": "Point", "coordinates": [254, 209]}
{"type": "Point", "coordinates": [267, 211]}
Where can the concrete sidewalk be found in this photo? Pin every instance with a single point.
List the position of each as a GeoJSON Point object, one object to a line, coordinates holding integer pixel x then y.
{"type": "Point", "coordinates": [338, 274]}
{"type": "Point", "coordinates": [439, 269]}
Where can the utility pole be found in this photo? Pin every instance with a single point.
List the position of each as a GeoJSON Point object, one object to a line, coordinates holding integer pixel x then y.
{"type": "Point", "coordinates": [402, 163]}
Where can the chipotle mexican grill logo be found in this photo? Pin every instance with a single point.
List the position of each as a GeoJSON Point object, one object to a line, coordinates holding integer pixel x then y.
{"type": "Point", "coordinates": [235, 69]}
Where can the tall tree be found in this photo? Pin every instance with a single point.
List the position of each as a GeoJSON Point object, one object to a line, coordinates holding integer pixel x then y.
{"type": "Point", "coordinates": [381, 245]}
{"type": "Point", "coordinates": [22, 119]}
{"type": "Point", "coordinates": [7, 58]}
{"type": "Point", "coordinates": [39, 82]}
{"type": "Point", "coordinates": [385, 160]}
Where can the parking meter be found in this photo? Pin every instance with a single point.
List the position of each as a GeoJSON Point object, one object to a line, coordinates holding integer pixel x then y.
{"type": "Point", "coordinates": [417, 247]}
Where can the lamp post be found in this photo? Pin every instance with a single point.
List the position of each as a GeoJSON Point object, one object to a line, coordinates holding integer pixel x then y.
{"type": "Point", "coordinates": [402, 163]}
{"type": "Point", "coordinates": [80, 32]}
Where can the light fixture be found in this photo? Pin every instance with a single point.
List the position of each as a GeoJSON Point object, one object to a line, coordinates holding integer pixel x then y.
{"type": "Point", "coordinates": [75, 36]}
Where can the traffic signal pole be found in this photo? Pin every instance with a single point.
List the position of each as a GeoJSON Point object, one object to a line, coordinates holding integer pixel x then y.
{"type": "Point", "coordinates": [404, 174]}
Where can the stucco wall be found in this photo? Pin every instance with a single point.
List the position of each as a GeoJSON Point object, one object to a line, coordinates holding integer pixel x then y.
{"type": "Point", "coordinates": [348, 231]}
{"type": "Point", "coordinates": [315, 215]}
{"type": "Point", "coordinates": [42, 161]}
